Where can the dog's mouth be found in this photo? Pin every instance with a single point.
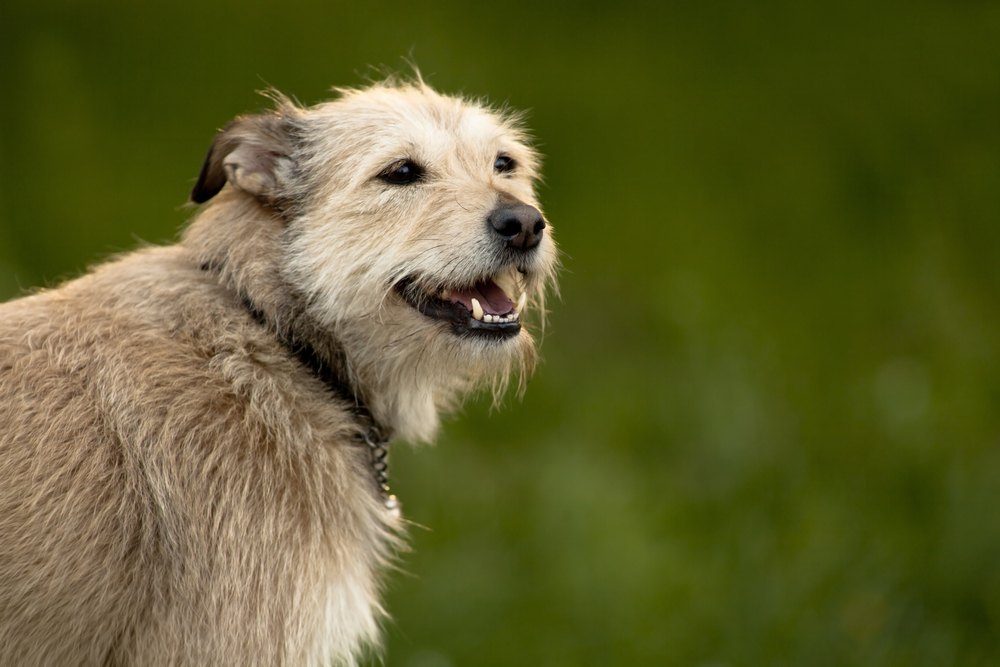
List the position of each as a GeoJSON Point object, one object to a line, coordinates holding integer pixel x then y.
{"type": "Point", "coordinates": [483, 309]}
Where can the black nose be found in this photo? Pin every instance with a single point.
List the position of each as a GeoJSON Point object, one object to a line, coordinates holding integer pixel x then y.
{"type": "Point", "coordinates": [520, 225]}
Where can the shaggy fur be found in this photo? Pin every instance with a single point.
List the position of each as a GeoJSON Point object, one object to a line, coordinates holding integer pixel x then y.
{"type": "Point", "coordinates": [175, 486]}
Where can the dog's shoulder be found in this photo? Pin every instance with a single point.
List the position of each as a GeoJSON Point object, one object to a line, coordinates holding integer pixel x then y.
{"type": "Point", "coordinates": [190, 431]}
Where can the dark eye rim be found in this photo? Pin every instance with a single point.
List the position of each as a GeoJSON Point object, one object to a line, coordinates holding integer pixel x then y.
{"type": "Point", "coordinates": [393, 174]}
{"type": "Point", "coordinates": [504, 164]}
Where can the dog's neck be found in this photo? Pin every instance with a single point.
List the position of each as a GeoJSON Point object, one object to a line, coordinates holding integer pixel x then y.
{"type": "Point", "coordinates": [244, 243]}
{"type": "Point", "coordinates": [237, 240]}
{"type": "Point", "coordinates": [374, 437]}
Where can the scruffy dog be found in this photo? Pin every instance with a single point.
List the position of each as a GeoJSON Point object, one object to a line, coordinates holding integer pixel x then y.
{"type": "Point", "coordinates": [192, 437]}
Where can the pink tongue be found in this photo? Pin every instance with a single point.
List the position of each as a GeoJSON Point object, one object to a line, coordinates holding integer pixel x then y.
{"type": "Point", "coordinates": [490, 296]}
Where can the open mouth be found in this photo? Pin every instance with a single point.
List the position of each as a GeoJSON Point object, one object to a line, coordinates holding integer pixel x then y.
{"type": "Point", "coordinates": [483, 309]}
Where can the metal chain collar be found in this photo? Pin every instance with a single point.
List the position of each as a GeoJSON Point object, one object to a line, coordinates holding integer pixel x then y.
{"type": "Point", "coordinates": [373, 437]}
{"type": "Point", "coordinates": [378, 451]}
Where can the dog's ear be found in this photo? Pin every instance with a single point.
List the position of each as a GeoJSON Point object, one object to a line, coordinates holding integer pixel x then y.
{"type": "Point", "coordinates": [254, 154]}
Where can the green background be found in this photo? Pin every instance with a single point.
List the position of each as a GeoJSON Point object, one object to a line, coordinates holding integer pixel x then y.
{"type": "Point", "coordinates": [767, 428]}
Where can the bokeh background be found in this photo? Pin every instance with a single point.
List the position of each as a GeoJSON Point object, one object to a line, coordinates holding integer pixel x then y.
{"type": "Point", "coordinates": [767, 428]}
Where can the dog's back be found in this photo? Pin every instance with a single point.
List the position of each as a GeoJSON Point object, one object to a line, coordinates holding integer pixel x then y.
{"type": "Point", "coordinates": [68, 498]}
{"type": "Point", "coordinates": [78, 523]}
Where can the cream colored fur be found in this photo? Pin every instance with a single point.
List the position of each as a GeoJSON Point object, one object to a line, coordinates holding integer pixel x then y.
{"type": "Point", "coordinates": [175, 487]}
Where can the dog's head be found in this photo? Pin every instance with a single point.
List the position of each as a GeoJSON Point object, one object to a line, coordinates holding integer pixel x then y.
{"type": "Point", "coordinates": [413, 234]}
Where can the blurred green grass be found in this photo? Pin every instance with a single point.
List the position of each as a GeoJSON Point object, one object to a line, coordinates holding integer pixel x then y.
{"type": "Point", "coordinates": [767, 430]}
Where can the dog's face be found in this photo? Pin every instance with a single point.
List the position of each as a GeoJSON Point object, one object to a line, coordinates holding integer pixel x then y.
{"type": "Point", "coordinates": [413, 232]}
{"type": "Point", "coordinates": [429, 196]}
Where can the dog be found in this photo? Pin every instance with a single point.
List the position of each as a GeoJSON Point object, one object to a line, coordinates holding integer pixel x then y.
{"type": "Point", "coordinates": [193, 436]}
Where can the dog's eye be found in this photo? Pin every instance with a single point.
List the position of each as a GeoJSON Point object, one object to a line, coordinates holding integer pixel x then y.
{"type": "Point", "coordinates": [504, 164]}
{"type": "Point", "coordinates": [403, 172]}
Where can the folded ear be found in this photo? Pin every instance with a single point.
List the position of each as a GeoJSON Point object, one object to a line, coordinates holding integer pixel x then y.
{"type": "Point", "coordinates": [254, 154]}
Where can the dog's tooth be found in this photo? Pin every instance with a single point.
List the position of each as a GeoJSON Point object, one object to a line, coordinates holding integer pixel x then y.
{"type": "Point", "coordinates": [477, 310]}
{"type": "Point", "coordinates": [522, 301]}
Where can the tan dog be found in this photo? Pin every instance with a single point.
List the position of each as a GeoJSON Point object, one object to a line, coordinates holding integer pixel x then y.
{"type": "Point", "coordinates": [192, 437]}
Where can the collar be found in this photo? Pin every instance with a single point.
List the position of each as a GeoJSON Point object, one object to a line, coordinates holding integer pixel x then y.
{"type": "Point", "coordinates": [375, 438]}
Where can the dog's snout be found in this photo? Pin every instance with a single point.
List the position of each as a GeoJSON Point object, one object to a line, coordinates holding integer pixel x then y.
{"type": "Point", "coordinates": [520, 225]}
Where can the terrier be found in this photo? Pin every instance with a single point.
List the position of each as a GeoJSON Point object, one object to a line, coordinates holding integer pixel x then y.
{"type": "Point", "coordinates": [193, 437]}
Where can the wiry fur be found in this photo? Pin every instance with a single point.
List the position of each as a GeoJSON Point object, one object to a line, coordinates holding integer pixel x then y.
{"type": "Point", "coordinates": [175, 487]}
